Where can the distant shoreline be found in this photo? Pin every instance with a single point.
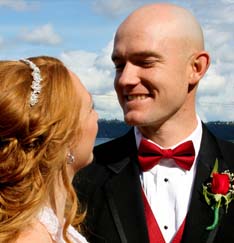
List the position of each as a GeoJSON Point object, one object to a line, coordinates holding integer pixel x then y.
{"type": "Point", "coordinates": [104, 140]}
{"type": "Point", "coordinates": [115, 128]}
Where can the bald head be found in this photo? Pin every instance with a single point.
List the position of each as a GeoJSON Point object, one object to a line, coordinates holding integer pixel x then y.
{"type": "Point", "coordinates": [166, 21]}
{"type": "Point", "coordinates": [159, 59]}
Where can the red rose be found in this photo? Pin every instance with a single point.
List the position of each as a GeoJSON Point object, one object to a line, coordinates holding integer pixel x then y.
{"type": "Point", "coordinates": [220, 183]}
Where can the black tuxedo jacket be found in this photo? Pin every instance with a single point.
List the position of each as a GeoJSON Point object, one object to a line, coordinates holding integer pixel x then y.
{"type": "Point", "coordinates": [111, 189]}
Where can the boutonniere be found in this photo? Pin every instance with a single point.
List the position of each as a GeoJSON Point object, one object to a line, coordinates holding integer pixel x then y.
{"type": "Point", "coordinates": [219, 192]}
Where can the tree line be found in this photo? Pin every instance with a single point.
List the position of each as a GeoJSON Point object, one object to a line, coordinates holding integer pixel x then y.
{"type": "Point", "coordinates": [115, 128]}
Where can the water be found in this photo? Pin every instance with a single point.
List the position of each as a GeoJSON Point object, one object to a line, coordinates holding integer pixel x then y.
{"type": "Point", "coordinates": [102, 140]}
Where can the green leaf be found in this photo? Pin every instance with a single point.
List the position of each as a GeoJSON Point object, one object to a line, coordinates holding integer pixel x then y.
{"type": "Point", "coordinates": [228, 198]}
{"type": "Point", "coordinates": [206, 196]}
{"type": "Point", "coordinates": [216, 167]}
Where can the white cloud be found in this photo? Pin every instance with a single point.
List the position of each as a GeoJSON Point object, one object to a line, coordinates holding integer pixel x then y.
{"type": "Point", "coordinates": [84, 64]}
{"type": "Point", "coordinates": [19, 5]}
{"type": "Point", "coordinates": [41, 35]}
{"type": "Point", "coordinates": [222, 13]}
{"type": "Point", "coordinates": [224, 52]}
{"type": "Point", "coordinates": [103, 60]}
{"type": "Point", "coordinates": [215, 37]}
{"type": "Point", "coordinates": [96, 72]}
{"type": "Point", "coordinates": [212, 83]}
{"type": "Point", "coordinates": [219, 43]}
{"type": "Point", "coordinates": [107, 106]}
{"type": "Point", "coordinates": [215, 95]}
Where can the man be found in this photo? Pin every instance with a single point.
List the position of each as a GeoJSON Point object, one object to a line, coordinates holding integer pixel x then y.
{"type": "Point", "coordinates": [159, 58]}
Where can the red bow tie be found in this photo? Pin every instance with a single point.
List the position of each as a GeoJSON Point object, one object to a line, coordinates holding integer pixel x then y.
{"type": "Point", "coordinates": [149, 155]}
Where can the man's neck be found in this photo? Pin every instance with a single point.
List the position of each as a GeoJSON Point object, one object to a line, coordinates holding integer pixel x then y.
{"type": "Point", "coordinates": [169, 133]}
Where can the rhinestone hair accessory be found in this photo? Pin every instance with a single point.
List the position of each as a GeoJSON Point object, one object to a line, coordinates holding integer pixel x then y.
{"type": "Point", "coordinates": [36, 83]}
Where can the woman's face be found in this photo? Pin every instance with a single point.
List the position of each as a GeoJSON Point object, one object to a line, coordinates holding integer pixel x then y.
{"type": "Point", "coordinates": [84, 143]}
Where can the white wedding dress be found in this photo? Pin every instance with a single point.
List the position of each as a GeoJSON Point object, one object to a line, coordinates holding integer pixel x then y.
{"type": "Point", "coordinates": [48, 218]}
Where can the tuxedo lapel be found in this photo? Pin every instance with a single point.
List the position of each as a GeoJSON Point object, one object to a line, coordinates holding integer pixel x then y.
{"type": "Point", "coordinates": [200, 214]}
{"type": "Point", "coordinates": [121, 190]}
{"type": "Point", "coordinates": [132, 226]}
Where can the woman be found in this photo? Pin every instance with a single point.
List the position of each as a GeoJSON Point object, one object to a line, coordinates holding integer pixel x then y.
{"type": "Point", "coordinates": [47, 132]}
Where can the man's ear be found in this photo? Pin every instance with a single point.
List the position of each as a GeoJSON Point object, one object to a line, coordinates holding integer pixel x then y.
{"type": "Point", "coordinates": [200, 63]}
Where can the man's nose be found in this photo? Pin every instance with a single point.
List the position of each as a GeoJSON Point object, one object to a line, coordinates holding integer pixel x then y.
{"type": "Point", "coordinates": [128, 75]}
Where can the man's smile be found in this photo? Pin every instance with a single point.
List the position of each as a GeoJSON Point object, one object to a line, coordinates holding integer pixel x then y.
{"type": "Point", "coordinates": [137, 97]}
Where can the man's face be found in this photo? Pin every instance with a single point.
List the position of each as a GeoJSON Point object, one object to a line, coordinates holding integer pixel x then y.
{"type": "Point", "coordinates": [152, 72]}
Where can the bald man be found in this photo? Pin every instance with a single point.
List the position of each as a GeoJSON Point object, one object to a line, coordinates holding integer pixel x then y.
{"type": "Point", "coordinates": [140, 189]}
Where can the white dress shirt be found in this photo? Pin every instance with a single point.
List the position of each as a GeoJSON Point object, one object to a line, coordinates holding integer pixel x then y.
{"type": "Point", "coordinates": [168, 187]}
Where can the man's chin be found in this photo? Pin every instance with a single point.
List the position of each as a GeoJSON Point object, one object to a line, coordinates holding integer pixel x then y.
{"type": "Point", "coordinates": [133, 120]}
{"type": "Point", "coordinates": [141, 120]}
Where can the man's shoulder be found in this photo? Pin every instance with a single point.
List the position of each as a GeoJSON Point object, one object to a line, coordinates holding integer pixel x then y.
{"type": "Point", "coordinates": [119, 141]}
{"type": "Point", "coordinates": [227, 149]}
{"type": "Point", "coordinates": [109, 159]}
{"type": "Point", "coordinates": [107, 153]}
{"type": "Point", "coordinates": [115, 149]}
{"type": "Point", "coordinates": [224, 148]}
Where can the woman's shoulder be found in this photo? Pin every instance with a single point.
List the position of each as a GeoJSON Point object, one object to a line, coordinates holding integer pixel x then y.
{"type": "Point", "coordinates": [34, 233]}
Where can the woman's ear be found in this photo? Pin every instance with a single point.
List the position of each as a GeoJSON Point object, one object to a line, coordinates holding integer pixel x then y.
{"type": "Point", "coordinates": [200, 63]}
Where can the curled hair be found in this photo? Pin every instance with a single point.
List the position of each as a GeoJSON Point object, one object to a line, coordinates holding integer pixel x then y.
{"type": "Point", "coordinates": [34, 141]}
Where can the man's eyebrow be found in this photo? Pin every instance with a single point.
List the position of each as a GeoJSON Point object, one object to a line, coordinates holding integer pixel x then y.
{"type": "Point", "coordinates": [144, 54]}
{"type": "Point", "coordinates": [115, 56]}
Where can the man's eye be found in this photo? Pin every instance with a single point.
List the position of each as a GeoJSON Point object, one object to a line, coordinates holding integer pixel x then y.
{"type": "Point", "coordinates": [119, 66]}
{"type": "Point", "coordinates": [146, 64]}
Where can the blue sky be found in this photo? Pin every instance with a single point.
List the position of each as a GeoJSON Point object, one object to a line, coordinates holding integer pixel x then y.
{"type": "Point", "coordinates": [80, 33]}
